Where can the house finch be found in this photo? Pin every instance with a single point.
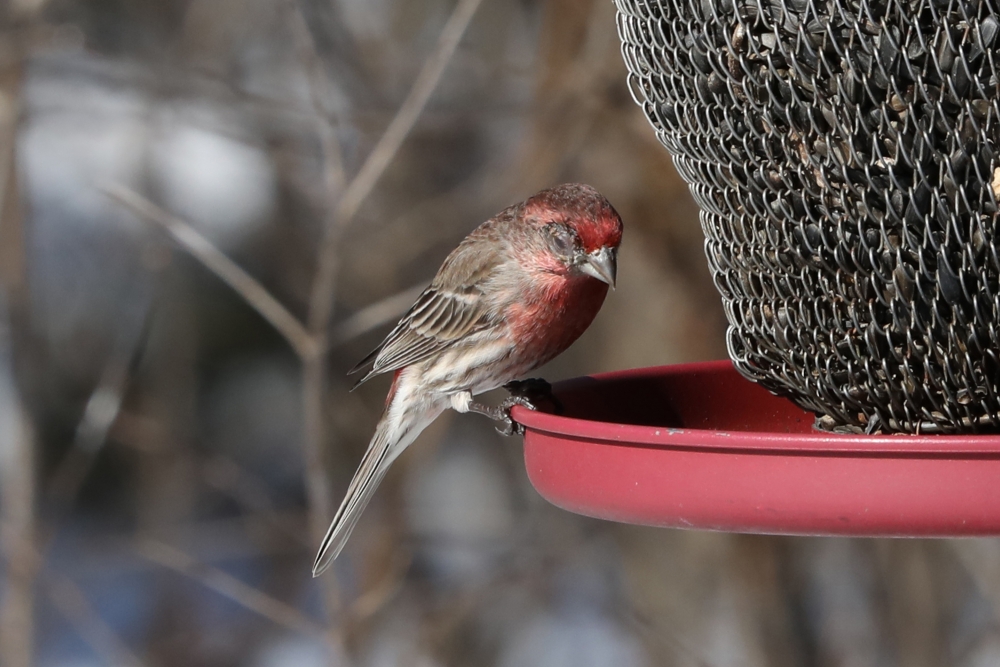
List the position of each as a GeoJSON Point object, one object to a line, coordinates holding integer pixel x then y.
{"type": "Point", "coordinates": [514, 294]}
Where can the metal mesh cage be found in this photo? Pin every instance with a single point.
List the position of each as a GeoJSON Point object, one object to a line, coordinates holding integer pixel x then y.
{"type": "Point", "coordinates": [844, 156]}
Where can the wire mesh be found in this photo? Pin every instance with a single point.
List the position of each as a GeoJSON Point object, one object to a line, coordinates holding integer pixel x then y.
{"type": "Point", "coordinates": [844, 156]}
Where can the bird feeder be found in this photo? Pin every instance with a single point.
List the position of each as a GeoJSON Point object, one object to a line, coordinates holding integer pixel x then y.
{"type": "Point", "coordinates": [700, 446]}
{"type": "Point", "coordinates": [844, 154]}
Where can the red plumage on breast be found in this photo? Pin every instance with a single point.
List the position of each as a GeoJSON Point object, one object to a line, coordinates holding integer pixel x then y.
{"type": "Point", "coordinates": [554, 315]}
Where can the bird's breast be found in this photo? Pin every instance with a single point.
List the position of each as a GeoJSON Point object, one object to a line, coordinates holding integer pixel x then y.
{"type": "Point", "coordinates": [554, 314]}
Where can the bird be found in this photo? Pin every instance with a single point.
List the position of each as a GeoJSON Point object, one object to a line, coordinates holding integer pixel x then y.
{"type": "Point", "coordinates": [515, 293]}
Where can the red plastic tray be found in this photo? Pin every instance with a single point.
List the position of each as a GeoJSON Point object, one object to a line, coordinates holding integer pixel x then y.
{"type": "Point", "coordinates": [699, 446]}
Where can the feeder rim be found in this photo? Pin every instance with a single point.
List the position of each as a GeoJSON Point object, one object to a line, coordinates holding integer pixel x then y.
{"type": "Point", "coordinates": [757, 442]}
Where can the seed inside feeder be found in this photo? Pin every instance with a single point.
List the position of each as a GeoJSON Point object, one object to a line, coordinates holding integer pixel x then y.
{"type": "Point", "coordinates": [844, 155]}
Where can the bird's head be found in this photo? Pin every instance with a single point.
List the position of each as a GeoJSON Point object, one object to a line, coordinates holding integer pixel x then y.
{"type": "Point", "coordinates": [576, 231]}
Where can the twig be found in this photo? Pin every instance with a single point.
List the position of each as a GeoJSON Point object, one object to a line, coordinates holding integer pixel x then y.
{"type": "Point", "coordinates": [18, 516]}
{"type": "Point", "coordinates": [69, 599]}
{"type": "Point", "coordinates": [319, 90]}
{"type": "Point", "coordinates": [324, 282]}
{"type": "Point", "coordinates": [320, 304]}
{"type": "Point", "coordinates": [387, 147]}
{"type": "Point", "coordinates": [17, 533]}
{"type": "Point", "coordinates": [314, 366]}
{"type": "Point", "coordinates": [375, 315]}
{"type": "Point", "coordinates": [224, 474]}
{"type": "Point", "coordinates": [654, 634]}
{"type": "Point", "coordinates": [100, 413]}
{"type": "Point", "coordinates": [569, 79]}
{"type": "Point", "coordinates": [336, 49]}
{"type": "Point", "coordinates": [231, 587]}
{"type": "Point", "coordinates": [376, 597]}
{"type": "Point", "coordinates": [239, 537]}
{"type": "Point", "coordinates": [218, 263]}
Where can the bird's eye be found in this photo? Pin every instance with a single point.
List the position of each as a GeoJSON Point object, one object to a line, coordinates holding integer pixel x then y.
{"type": "Point", "coordinates": [563, 240]}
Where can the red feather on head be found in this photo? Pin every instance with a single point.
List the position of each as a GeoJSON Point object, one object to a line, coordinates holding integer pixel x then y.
{"type": "Point", "coordinates": [583, 208]}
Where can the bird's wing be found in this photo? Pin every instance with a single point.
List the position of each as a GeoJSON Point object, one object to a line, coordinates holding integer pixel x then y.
{"type": "Point", "coordinates": [435, 322]}
{"type": "Point", "coordinates": [446, 312]}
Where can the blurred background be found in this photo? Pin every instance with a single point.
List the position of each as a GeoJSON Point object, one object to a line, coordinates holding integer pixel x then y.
{"type": "Point", "coordinates": [210, 210]}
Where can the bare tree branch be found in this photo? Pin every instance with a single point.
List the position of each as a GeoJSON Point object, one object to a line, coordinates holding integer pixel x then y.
{"type": "Point", "coordinates": [375, 315]}
{"type": "Point", "coordinates": [218, 263]}
{"type": "Point", "coordinates": [99, 415]}
{"type": "Point", "coordinates": [319, 92]}
{"type": "Point", "coordinates": [18, 515]}
{"type": "Point", "coordinates": [69, 599]}
{"type": "Point", "coordinates": [277, 611]}
{"type": "Point", "coordinates": [17, 532]}
{"type": "Point", "coordinates": [336, 51]}
{"type": "Point", "coordinates": [321, 302]}
{"type": "Point", "coordinates": [324, 282]}
{"type": "Point", "coordinates": [424, 86]}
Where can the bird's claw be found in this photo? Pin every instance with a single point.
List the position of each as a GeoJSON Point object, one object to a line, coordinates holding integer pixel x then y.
{"type": "Point", "coordinates": [507, 424]}
{"type": "Point", "coordinates": [528, 393]}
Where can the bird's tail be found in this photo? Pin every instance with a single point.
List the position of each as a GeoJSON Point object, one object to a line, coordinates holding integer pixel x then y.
{"type": "Point", "coordinates": [400, 424]}
{"type": "Point", "coordinates": [373, 467]}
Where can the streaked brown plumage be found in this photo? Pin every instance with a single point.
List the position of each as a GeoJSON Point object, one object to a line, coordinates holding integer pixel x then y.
{"type": "Point", "coordinates": [515, 293]}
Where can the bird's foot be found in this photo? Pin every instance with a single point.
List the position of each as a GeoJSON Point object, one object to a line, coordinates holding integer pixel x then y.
{"type": "Point", "coordinates": [536, 390]}
{"type": "Point", "coordinates": [527, 393]}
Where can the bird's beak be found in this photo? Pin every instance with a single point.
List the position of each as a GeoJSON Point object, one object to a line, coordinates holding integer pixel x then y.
{"type": "Point", "coordinates": [602, 264]}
